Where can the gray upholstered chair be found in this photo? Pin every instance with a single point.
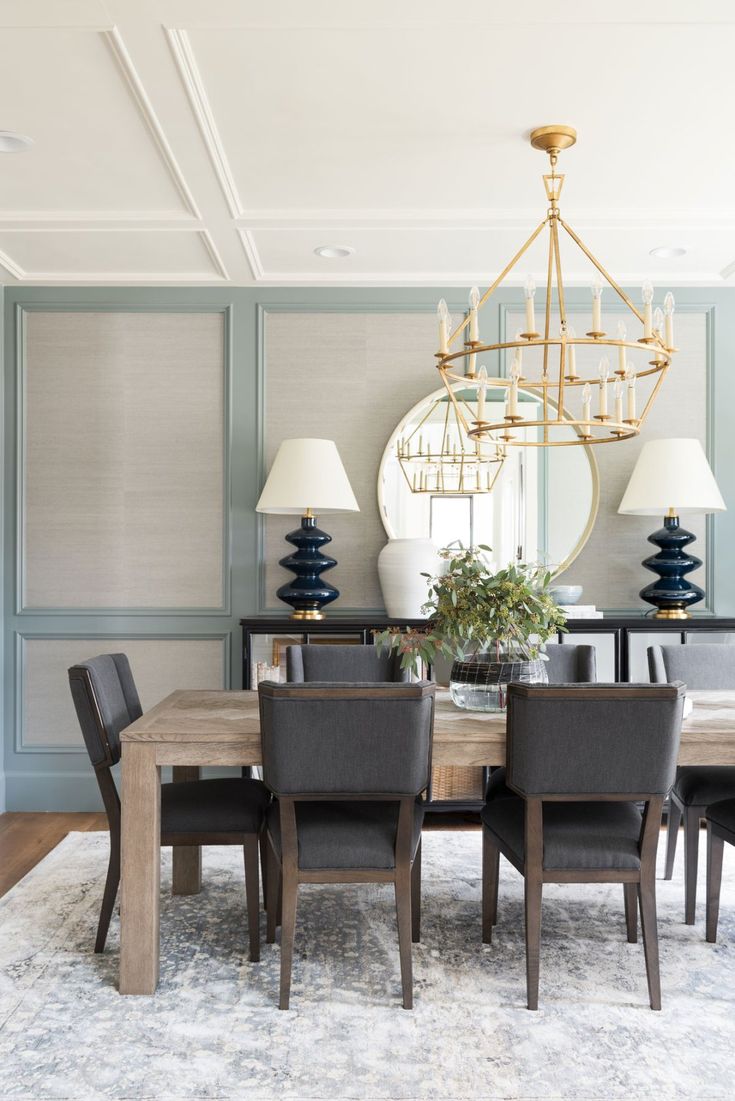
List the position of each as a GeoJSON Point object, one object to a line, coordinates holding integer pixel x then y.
{"type": "Point", "coordinates": [720, 828]}
{"type": "Point", "coordinates": [567, 664]}
{"type": "Point", "coordinates": [197, 812]}
{"type": "Point", "coordinates": [340, 663]}
{"type": "Point", "coordinates": [710, 665]}
{"type": "Point", "coordinates": [580, 759]}
{"type": "Point", "coordinates": [346, 763]}
{"type": "Point", "coordinates": [570, 664]}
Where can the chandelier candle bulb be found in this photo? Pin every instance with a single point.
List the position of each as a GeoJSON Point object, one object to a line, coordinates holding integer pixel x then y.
{"type": "Point", "coordinates": [647, 292]}
{"type": "Point", "coordinates": [658, 328]}
{"type": "Point", "coordinates": [571, 355]}
{"type": "Point", "coordinates": [529, 291]}
{"type": "Point", "coordinates": [630, 411]}
{"type": "Point", "coordinates": [471, 360]}
{"type": "Point", "coordinates": [622, 333]}
{"type": "Point", "coordinates": [597, 305]}
{"type": "Point", "coordinates": [482, 375]}
{"type": "Point", "coordinates": [515, 374]}
{"type": "Point", "coordinates": [619, 400]}
{"type": "Point", "coordinates": [474, 303]}
{"type": "Point", "coordinates": [586, 403]}
{"type": "Point", "coordinates": [442, 314]}
{"type": "Point", "coordinates": [518, 355]}
{"type": "Point", "coordinates": [669, 320]}
{"type": "Point", "coordinates": [604, 374]}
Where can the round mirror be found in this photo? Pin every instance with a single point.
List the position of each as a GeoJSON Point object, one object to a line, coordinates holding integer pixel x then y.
{"type": "Point", "coordinates": [530, 504]}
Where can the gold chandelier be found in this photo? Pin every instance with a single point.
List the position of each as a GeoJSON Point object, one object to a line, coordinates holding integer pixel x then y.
{"type": "Point", "coordinates": [436, 455]}
{"type": "Point", "coordinates": [571, 406]}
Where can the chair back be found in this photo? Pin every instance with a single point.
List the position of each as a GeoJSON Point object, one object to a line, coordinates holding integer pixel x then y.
{"type": "Point", "coordinates": [602, 740]}
{"type": "Point", "coordinates": [342, 664]}
{"type": "Point", "coordinates": [350, 739]}
{"type": "Point", "coordinates": [711, 665]}
{"type": "Point", "coordinates": [570, 664]}
{"type": "Point", "coordinates": [106, 701]}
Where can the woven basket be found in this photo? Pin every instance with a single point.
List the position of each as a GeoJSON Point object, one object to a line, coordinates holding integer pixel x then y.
{"type": "Point", "coordinates": [457, 783]}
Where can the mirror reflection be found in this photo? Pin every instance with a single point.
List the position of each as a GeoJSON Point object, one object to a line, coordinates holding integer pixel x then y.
{"type": "Point", "coordinates": [530, 504]}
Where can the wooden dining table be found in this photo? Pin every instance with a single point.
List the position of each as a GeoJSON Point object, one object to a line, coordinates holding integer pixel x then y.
{"type": "Point", "coordinates": [191, 729]}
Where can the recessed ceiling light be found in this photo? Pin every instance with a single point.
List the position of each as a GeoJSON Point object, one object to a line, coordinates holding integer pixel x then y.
{"type": "Point", "coordinates": [667, 252]}
{"type": "Point", "coordinates": [334, 252]}
{"type": "Point", "coordinates": [13, 143]}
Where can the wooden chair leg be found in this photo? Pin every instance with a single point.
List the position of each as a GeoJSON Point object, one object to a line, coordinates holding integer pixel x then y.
{"type": "Point", "coordinates": [403, 914]}
{"type": "Point", "coordinates": [263, 843]}
{"type": "Point", "coordinates": [274, 879]}
{"type": "Point", "coordinates": [252, 895]}
{"type": "Point", "coordinates": [631, 911]}
{"type": "Point", "coordinates": [108, 899]}
{"type": "Point", "coordinates": [649, 928]}
{"type": "Point", "coordinates": [672, 835]}
{"type": "Point", "coordinates": [691, 843]}
{"type": "Point", "coordinates": [715, 849]}
{"type": "Point", "coordinates": [490, 874]}
{"type": "Point", "coordinates": [416, 897]}
{"type": "Point", "coordinates": [534, 888]}
{"type": "Point", "coordinates": [288, 931]}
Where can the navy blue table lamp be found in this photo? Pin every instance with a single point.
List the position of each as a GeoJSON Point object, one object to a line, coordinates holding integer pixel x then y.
{"type": "Point", "coordinates": [307, 477]}
{"type": "Point", "coordinates": [671, 477]}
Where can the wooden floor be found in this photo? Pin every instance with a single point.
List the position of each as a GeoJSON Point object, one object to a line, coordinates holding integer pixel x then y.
{"type": "Point", "coordinates": [26, 838]}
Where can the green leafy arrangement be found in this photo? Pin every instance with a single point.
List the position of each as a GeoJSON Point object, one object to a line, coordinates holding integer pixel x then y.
{"type": "Point", "coordinates": [472, 611]}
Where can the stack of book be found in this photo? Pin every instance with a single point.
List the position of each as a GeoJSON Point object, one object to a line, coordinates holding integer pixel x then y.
{"type": "Point", "coordinates": [580, 611]}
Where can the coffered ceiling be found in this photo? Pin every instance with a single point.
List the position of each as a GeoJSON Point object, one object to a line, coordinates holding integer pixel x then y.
{"type": "Point", "coordinates": [184, 141]}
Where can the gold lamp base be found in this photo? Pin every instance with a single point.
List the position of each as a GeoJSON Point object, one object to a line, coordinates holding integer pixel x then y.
{"type": "Point", "coordinates": [672, 613]}
{"type": "Point", "coordinates": [308, 613]}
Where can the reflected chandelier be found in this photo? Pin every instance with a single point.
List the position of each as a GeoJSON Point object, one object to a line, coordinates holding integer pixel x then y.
{"type": "Point", "coordinates": [564, 413]}
{"type": "Point", "coordinates": [454, 464]}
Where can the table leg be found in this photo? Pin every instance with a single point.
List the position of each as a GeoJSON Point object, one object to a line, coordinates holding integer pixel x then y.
{"type": "Point", "coordinates": [187, 859]}
{"type": "Point", "coordinates": [141, 869]}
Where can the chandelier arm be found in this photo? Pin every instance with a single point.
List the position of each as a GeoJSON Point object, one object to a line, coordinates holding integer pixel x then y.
{"type": "Point", "coordinates": [652, 396]}
{"type": "Point", "coordinates": [547, 326]}
{"type": "Point", "coordinates": [602, 271]}
{"type": "Point", "coordinates": [445, 436]}
{"type": "Point", "coordinates": [562, 319]}
{"type": "Point", "coordinates": [463, 324]}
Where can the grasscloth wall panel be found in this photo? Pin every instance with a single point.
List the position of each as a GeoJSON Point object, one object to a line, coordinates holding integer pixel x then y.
{"type": "Point", "coordinates": [159, 666]}
{"type": "Point", "coordinates": [123, 439]}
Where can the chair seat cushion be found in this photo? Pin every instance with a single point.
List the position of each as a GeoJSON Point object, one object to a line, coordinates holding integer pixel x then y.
{"type": "Point", "coordinates": [576, 835]}
{"type": "Point", "coordinates": [723, 814]}
{"type": "Point", "coordinates": [359, 834]}
{"type": "Point", "coordinates": [229, 805]}
{"type": "Point", "coordinates": [700, 785]}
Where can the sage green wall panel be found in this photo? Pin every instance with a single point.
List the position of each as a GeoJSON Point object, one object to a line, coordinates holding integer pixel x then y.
{"type": "Point", "coordinates": [50, 780]}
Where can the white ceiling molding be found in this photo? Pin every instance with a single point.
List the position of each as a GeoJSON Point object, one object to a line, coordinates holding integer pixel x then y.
{"type": "Point", "coordinates": [251, 252]}
{"type": "Point", "coordinates": [134, 83]}
{"type": "Point", "coordinates": [192, 78]}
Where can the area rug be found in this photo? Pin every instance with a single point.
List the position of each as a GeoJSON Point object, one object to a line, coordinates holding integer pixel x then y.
{"type": "Point", "coordinates": [213, 1029]}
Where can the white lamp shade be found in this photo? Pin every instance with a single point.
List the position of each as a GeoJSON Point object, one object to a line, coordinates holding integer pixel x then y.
{"type": "Point", "coordinates": [671, 474]}
{"type": "Point", "coordinates": [307, 474]}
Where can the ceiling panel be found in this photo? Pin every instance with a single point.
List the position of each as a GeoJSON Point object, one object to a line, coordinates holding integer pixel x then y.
{"type": "Point", "coordinates": [104, 254]}
{"type": "Point", "coordinates": [96, 146]}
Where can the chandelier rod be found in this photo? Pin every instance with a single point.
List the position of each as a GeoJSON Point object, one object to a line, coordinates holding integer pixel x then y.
{"type": "Point", "coordinates": [465, 322]}
{"type": "Point", "coordinates": [602, 271]}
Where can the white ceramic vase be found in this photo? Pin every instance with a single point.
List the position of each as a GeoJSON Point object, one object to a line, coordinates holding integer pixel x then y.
{"type": "Point", "coordinates": [400, 566]}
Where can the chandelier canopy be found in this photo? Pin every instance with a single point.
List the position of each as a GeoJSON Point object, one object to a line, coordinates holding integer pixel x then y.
{"type": "Point", "coordinates": [571, 392]}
